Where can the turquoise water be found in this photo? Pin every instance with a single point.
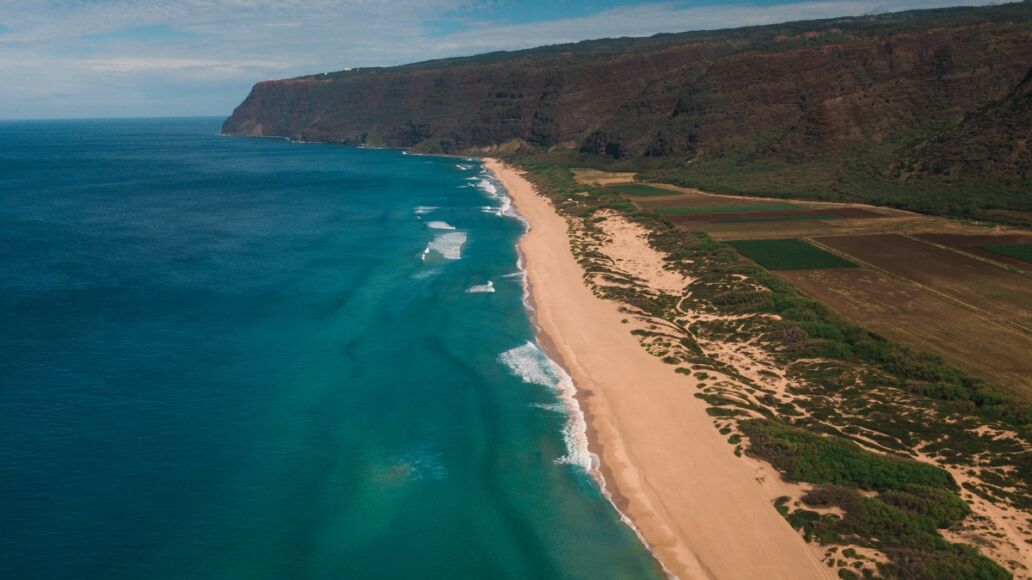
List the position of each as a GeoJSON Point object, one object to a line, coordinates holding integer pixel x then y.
{"type": "Point", "coordinates": [247, 358]}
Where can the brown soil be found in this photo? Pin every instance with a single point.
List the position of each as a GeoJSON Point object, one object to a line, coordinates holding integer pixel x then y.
{"type": "Point", "coordinates": [733, 217]}
{"type": "Point", "coordinates": [971, 244]}
{"type": "Point", "coordinates": [924, 320]}
{"type": "Point", "coordinates": [997, 292]}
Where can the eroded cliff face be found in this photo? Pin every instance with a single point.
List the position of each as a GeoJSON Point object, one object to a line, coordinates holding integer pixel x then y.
{"type": "Point", "coordinates": [787, 92]}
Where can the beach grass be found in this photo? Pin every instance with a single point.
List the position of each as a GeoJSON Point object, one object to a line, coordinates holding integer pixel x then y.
{"type": "Point", "coordinates": [908, 398]}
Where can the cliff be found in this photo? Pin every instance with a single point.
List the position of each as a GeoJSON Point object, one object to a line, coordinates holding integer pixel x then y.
{"type": "Point", "coordinates": [796, 94]}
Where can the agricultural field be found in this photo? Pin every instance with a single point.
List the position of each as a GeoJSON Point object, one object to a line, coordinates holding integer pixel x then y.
{"type": "Point", "coordinates": [959, 289]}
{"type": "Point", "coordinates": [978, 245]}
{"type": "Point", "coordinates": [977, 284]}
{"type": "Point", "coordinates": [727, 217]}
{"type": "Point", "coordinates": [905, 312]}
{"type": "Point", "coordinates": [788, 254]}
{"type": "Point", "coordinates": [791, 381]}
{"type": "Point", "coordinates": [1021, 252]}
{"type": "Point", "coordinates": [750, 214]}
{"type": "Point", "coordinates": [642, 190]}
{"type": "Point", "coordinates": [589, 176]}
{"type": "Point", "coordinates": [721, 210]}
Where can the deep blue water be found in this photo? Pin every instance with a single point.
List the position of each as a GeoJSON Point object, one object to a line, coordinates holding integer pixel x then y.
{"type": "Point", "coordinates": [229, 358]}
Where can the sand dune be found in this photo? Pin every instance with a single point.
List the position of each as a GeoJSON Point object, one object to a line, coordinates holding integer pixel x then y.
{"type": "Point", "coordinates": [698, 506]}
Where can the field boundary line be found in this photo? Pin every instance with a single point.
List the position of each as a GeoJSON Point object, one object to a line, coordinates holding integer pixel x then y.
{"type": "Point", "coordinates": [1006, 267]}
{"type": "Point", "coordinates": [989, 317]}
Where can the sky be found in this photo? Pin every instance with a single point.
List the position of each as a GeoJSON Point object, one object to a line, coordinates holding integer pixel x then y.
{"type": "Point", "coordinates": [155, 58]}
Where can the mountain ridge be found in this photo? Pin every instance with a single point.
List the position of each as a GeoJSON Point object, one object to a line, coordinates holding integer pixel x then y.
{"type": "Point", "coordinates": [706, 107]}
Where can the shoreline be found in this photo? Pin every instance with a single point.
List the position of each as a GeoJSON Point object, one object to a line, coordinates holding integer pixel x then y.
{"type": "Point", "coordinates": [599, 470]}
{"type": "Point", "coordinates": [660, 462]}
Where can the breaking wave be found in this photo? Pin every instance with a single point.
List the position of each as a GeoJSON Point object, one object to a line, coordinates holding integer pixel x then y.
{"type": "Point", "coordinates": [435, 225]}
{"type": "Point", "coordinates": [532, 365]}
{"type": "Point", "coordinates": [504, 207]}
{"type": "Point", "coordinates": [481, 288]}
{"type": "Point", "coordinates": [448, 245]}
{"type": "Point", "coordinates": [487, 187]}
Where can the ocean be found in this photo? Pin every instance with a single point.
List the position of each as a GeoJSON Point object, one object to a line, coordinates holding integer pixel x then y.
{"type": "Point", "coordinates": [250, 358]}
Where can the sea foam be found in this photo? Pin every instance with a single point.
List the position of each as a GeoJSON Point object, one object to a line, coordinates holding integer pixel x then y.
{"type": "Point", "coordinates": [436, 225]}
{"type": "Point", "coordinates": [481, 288]}
{"type": "Point", "coordinates": [532, 365]}
{"type": "Point", "coordinates": [504, 207]}
{"type": "Point", "coordinates": [487, 187]}
{"type": "Point", "coordinates": [448, 245]}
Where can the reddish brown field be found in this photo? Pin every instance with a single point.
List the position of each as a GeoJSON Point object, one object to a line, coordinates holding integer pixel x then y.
{"type": "Point", "coordinates": [764, 216]}
{"type": "Point", "coordinates": [694, 200]}
{"type": "Point", "coordinates": [977, 284]}
{"type": "Point", "coordinates": [923, 280]}
{"type": "Point", "coordinates": [971, 243]}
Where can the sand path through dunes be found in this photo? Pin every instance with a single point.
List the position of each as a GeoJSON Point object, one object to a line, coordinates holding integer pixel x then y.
{"type": "Point", "coordinates": [698, 506]}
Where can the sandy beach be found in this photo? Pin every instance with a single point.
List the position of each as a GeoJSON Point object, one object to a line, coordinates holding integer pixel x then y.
{"type": "Point", "coordinates": [703, 511]}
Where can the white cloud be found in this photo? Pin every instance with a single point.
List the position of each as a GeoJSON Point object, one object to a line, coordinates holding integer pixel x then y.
{"type": "Point", "coordinates": [200, 56]}
{"type": "Point", "coordinates": [649, 19]}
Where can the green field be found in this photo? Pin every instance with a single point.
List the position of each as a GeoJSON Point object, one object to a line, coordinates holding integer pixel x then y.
{"type": "Point", "coordinates": [1019, 251]}
{"type": "Point", "coordinates": [639, 189]}
{"type": "Point", "coordinates": [788, 254]}
{"type": "Point", "coordinates": [713, 209]}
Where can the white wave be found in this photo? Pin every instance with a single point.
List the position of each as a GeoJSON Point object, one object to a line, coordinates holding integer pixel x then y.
{"type": "Point", "coordinates": [462, 167]}
{"type": "Point", "coordinates": [530, 364]}
{"type": "Point", "coordinates": [439, 225]}
{"type": "Point", "coordinates": [575, 431]}
{"type": "Point", "coordinates": [504, 207]}
{"type": "Point", "coordinates": [521, 271]}
{"type": "Point", "coordinates": [487, 187]}
{"type": "Point", "coordinates": [448, 245]}
{"type": "Point", "coordinates": [423, 209]}
{"type": "Point", "coordinates": [533, 366]}
{"type": "Point", "coordinates": [481, 288]}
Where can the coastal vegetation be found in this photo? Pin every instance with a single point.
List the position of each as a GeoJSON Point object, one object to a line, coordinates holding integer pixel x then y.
{"type": "Point", "coordinates": [822, 337]}
{"type": "Point", "coordinates": [914, 500]}
{"type": "Point", "coordinates": [901, 447]}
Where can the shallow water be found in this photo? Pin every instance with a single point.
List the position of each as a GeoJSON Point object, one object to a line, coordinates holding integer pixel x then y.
{"type": "Point", "coordinates": [248, 358]}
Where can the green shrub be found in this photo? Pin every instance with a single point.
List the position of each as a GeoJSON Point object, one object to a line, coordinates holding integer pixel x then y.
{"type": "Point", "coordinates": [806, 456]}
